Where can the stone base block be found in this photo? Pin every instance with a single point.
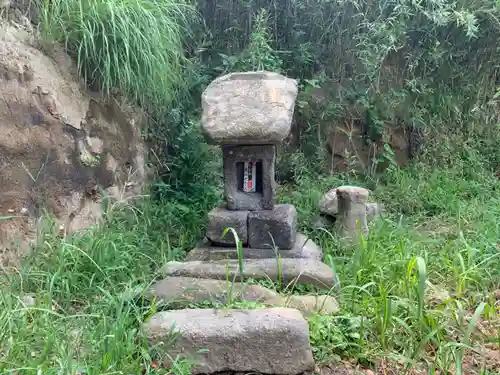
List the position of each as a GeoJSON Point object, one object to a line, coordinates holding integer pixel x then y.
{"type": "Point", "coordinates": [303, 248]}
{"type": "Point", "coordinates": [273, 228]}
{"type": "Point", "coordinates": [221, 218]}
{"type": "Point", "coordinates": [266, 341]}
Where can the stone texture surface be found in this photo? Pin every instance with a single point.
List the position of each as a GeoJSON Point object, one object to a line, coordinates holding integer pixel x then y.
{"type": "Point", "coordinates": [240, 200]}
{"type": "Point", "coordinates": [221, 218]}
{"type": "Point", "coordinates": [349, 149]}
{"type": "Point", "coordinates": [328, 203]}
{"type": "Point", "coordinates": [46, 156]}
{"type": "Point", "coordinates": [302, 248]}
{"type": "Point", "coordinates": [270, 341]}
{"type": "Point", "coordinates": [178, 291]}
{"type": "Point", "coordinates": [329, 206]}
{"type": "Point", "coordinates": [308, 305]}
{"type": "Point", "coordinates": [273, 228]}
{"type": "Point", "coordinates": [300, 271]}
{"type": "Point", "coordinates": [248, 108]}
{"type": "Point", "coordinates": [352, 210]}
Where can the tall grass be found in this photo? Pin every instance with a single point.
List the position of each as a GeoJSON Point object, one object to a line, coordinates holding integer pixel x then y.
{"type": "Point", "coordinates": [72, 307]}
{"type": "Point", "coordinates": [417, 289]}
{"type": "Point", "coordinates": [135, 47]}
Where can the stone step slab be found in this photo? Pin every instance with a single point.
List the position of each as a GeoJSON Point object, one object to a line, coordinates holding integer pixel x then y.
{"type": "Point", "coordinates": [268, 341]}
{"type": "Point", "coordinates": [299, 271]}
{"type": "Point", "coordinates": [179, 291]}
{"type": "Point", "coordinates": [304, 247]}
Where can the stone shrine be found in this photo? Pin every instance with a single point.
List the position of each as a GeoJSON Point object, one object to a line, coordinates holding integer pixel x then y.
{"type": "Point", "coordinates": [248, 114]}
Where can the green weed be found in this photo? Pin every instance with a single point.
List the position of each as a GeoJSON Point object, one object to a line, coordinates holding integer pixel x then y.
{"type": "Point", "coordinates": [135, 47]}
{"type": "Point", "coordinates": [73, 303]}
{"type": "Point", "coordinates": [386, 277]}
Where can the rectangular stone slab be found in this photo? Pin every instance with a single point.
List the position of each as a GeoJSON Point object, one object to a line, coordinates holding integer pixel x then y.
{"type": "Point", "coordinates": [268, 341]}
{"type": "Point", "coordinates": [273, 228]}
{"type": "Point", "coordinates": [179, 291]}
{"type": "Point", "coordinates": [302, 248]}
{"type": "Point", "coordinates": [287, 271]}
{"type": "Point", "coordinates": [240, 200]}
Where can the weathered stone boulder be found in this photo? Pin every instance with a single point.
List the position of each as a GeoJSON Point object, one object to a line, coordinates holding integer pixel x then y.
{"type": "Point", "coordinates": [59, 144]}
{"type": "Point", "coordinates": [248, 108]}
{"type": "Point", "coordinates": [268, 341]}
{"type": "Point", "coordinates": [329, 204]}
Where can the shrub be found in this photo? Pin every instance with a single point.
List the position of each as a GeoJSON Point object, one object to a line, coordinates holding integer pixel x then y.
{"type": "Point", "coordinates": [412, 64]}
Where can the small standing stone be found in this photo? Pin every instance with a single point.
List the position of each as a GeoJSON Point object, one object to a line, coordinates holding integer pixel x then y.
{"type": "Point", "coordinates": [270, 228]}
{"type": "Point", "coordinates": [221, 218]}
{"type": "Point", "coordinates": [352, 210]}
